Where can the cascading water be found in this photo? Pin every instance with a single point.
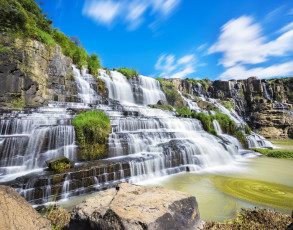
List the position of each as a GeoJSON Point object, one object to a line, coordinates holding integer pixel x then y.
{"type": "Point", "coordinates": [266, 94]}
{"type": "Point", "coordinates": [144, 142]}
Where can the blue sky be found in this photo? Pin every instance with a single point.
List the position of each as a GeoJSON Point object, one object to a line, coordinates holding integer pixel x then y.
{"type": "Point", "coordinates": [218, 39]}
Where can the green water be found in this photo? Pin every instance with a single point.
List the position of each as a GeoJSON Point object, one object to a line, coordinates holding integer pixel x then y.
{"type": "Point", "coordinates": [260, 182]}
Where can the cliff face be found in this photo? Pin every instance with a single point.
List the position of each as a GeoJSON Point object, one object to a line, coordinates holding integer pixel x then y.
{"type": "Point", "coordinates": [266, 105]}
{"type": "Point", "coordinates": [32, 73]}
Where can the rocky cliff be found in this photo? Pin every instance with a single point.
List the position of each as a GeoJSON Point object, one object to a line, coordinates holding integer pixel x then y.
{"type": "Point", "coordinates": [34, 74]}
{"type": "Point", "coordinates": [266, 105]}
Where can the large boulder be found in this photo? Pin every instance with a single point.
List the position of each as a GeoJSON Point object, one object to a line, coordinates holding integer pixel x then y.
{"type": "Point", "coordinates": [17, 213]}
{"type": "Point", "coordinates": [136, 207]}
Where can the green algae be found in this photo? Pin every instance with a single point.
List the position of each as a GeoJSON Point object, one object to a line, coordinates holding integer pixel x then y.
{"type": "Point", "coordinates": [255, 191]}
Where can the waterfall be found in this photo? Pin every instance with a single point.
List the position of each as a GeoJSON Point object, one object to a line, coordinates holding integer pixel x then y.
{"type": "Point", "coordinates": [266, 94]}
{"type": "Point", "coordinates": [257, 141]}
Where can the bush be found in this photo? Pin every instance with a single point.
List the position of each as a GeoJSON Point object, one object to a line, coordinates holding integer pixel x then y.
{"type": "Point", "coordinates": [92, 129]}
{"type": "Point", "coordinates": [241, 137]}
{"type": "Point", "coordinates": [94, 64]}
{"type": "Point", "coordinates": [184, 111]}
{"type": "Point", "coordinates": [228, 105]}
{"type": "Point", "coordinates": [128, 73]}
{"type": "Point", "coordinates": [58, 217]}
{"type": "Point", "coordinates": [226, 123]}
{"type": "Point", "coordinates": [214, 132]}
{"type": "Point", "coordinates": [205, 119]}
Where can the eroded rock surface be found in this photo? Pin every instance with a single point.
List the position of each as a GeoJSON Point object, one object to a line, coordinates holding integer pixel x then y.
{"type": "Point", "coordinates": [17, 214]}
{"type": "Point", "coordinates": [136, 207]}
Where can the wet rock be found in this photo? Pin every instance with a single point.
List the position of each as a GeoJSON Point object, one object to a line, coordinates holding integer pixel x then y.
{"type": "Point", "coordinates": [137, 207]}
{"type": "Point", "coordinates": [17, 213]}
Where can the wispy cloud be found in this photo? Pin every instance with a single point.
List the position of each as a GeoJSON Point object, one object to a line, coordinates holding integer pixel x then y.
{"type": "Point", "coordinates": [241, 42]}
{"type": "Point", "coordinates": [172, 68]}
{"type": "Point", "coordinates": [130, 12]}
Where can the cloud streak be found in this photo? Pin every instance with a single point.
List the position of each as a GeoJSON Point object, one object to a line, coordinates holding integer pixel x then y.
{"type": "Point", "coordinates": [130, 12]}
{"type": "Point", "coordinates": [241, 43]}
{"type": "Point", "coordinates": [172, 68]}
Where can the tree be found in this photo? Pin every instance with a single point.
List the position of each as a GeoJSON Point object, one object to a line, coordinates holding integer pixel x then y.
{"type": "Point", "coordinates": [75, 40]}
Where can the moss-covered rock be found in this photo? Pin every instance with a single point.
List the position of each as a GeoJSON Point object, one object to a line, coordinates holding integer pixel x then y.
{"type": "Point", "coordinates": [92, 129]}
{"type": "Point", "coordinates": [60, 164]}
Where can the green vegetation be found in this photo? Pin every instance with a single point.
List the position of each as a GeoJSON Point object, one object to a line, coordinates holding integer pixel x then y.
{"type": "Point", "coordinates": [17, 101]}
{"type": "Point", "coordinates": [58, 217]}
{"type": "Point", "coordinates": [163, 107]}
{"type": "Point", "coordinates": [92, 129]}
{"type": "Point", "coordinates": [184, 111]}
{"type": "Point", "coordinates": [275, 153]}
{"type": "Point", "coordinates": [172, 95]}
{"type": "Point", "coordinates": [228, 105]}
{"type": "Point", "coordinates": [25, 19]}
{"type": "Point", "coordinates": [227, 125]}
{"type": "Point", "coordinates": [247, 130]}
{"type": "Point", "coordinates": [59, 165]}
{"type": "Point", "coordinates": [203, 82]}
{"type": "Point", "coordinates": [253, 220]}
{"type": "Point", "coordinates": [128, 73]}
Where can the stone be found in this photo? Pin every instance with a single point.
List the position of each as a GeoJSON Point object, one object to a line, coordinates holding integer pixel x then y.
{"type": "Point", "coordinates": [137, 207]}
{"type": "Point", "coordinates": [162, 102]}
{"type": "Point", "coordinates": [17, 213]}
{"type": "Point", "coordinates": [53, 162]}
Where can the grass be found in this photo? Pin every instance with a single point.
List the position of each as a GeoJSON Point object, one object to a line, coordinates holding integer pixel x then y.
{"type": "Point", "coordinates": [227, 105]}
{"type": "Point", "coordinates": [275, 153]}
{"type": "Point", "coordinates": [163, 107]}
{"type": "Point", "coordinates": [58, 217]}
{"type": "Point", "coordinates": [92, 129]}
{"type": "Point", "coordinates": [227, 125]}
{"type": "Point", "coordinates": [128, 73]}
{"type": "Point", "coordinates": [184, 111]}
{"type": "Point", "coordinates": [201, 81]}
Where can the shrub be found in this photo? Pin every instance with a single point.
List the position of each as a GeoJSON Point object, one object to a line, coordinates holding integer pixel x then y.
{"type": "Point", "coordinates": [214, 132]}
{"type": "Point", "coordinates": [228, 105]}
{"type": "Point", "coordinates": [58, 217]}
{"type": "Point", "coordinates": [128, 73]}
{"type": "Point", "coordinates": [205, 119]}
{"type": "Point", "coordinates": [184, 111]}
{"type": "Point", "coordinates": [92, 129]}
{"type": "Point", "coordinates": [241, 137]}
{"type": "Point", "coordinates": [226, 123]}
{"type": "Point", "coordinates": [94, 64]}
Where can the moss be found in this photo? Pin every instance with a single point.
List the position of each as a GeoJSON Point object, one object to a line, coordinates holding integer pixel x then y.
{"type": "Point", "coordinates": [274, 153]}
{"type": "Point", "coordinates": [184, 111]}
{"type": "Point", "coordinates": [172, 95]}
{"type": "Point", "coordinates": [203, 82]}
{"type": "Point", "coordinates": [247, 130]}
{"type": "Point", "coordinates": [241, 137]}
{"type": "Point", "coordinates": [17, 101]}
{"type": "Point", "coordinates": [128, 73]}
{"type": "Point", "coordinates": [227, 105]}
{"type": "Point", "coordinates": [168, 107]}
{"type": "Point", "coordinates": [58, 217]}
{"type": "Point", "coordinates": [92, 129]}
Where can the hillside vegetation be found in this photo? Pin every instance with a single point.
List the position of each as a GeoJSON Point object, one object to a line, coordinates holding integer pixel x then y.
{"type": "Point", "coordinates": [25, 19]}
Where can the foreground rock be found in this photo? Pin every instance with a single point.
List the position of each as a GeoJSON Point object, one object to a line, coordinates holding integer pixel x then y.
{"type": "Point", "coordinates": [17, 213]}
{"type": "Point", "coordinates": [136, 207]}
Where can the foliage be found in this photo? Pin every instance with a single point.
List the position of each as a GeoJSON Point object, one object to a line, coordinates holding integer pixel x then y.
{"type": "Point", "coordinates": [94, 64]}
{"type": "Point", "coordinates": [214, 132]}
{"type": "Point", "coordinates": [163, 107]}
{"type": "Point", "coordinates": [275, 153]}
{"type": "Point", "coordinates": [60, 167]}
{"type": "Point", "coordinates": [92, 129]}
{"type": "Point", "coordinates": [128, 73]}
{"type": "Point", "coordinates": [226, 123]}
{"type": "Point", "coordinates": [58, 217]}
{"type": "Point", "coordinates": [172, 95]}
{"type": "Point", "coordinates": [203, 82]}
{"type": "Point", "coordinates": [25, 19]}
{"type": "Point", "coordinates": [184, 111]}
{"type": "Point", "coordinates": [241, 137]}
{"type": "Point", "coordinates": [247, 130]}
{"type": "Point", "coordinates": [228, 105]}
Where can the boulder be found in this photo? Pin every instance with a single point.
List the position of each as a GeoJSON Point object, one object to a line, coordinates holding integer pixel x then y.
{"type": "Point", "coordinates": [162, 102]}
{"type": "Point", "coordinates": [17, 213]}
{"type": "Point", "coordinates": [136, 207]}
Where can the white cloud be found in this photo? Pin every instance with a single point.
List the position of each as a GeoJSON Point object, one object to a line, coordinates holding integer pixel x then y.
{"type": "Point", "coordinates": [287, 27]}
{"type": "Point", "coordinates": [170, 68]}
{"type": "Point", "coordinates": [240, 72]}
{"type": "Point", "coordinates": [103, 12]}
{"type": "Point", "coordinates": [241, 42]}
{"type": "Point", "coordinates": [131, 12]}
